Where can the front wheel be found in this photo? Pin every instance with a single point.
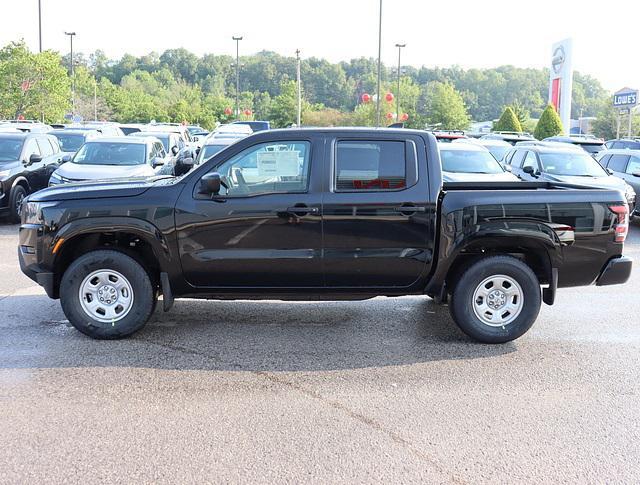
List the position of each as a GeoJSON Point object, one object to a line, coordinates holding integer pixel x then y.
{"type": "Point", "coordinates": [106, 294]}
{"type": "Point", "coordinates": [17, 196]}
{"type": "Point", "coordinates": [496, 300]}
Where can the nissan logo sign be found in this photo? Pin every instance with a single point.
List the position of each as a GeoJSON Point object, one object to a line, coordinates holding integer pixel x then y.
{"type": "Point", "coordinates": [558, 59]}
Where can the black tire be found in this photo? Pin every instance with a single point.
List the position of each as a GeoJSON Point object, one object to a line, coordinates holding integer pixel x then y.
{"type": "Point", "coordinates": [18, 193]}
{"type": "Point", "coordinates": [462, 300]}
{"type": "Point", "coordinates": [143, 294]}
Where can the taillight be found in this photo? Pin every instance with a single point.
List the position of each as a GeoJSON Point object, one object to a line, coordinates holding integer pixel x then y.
{"type": "Point", "coordinates": [621, 225]}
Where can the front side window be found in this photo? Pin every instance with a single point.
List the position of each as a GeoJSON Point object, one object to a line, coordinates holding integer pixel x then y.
{"type": "Point", "coordinates": [268, 168]}
{"type": "Point", "coordinates": [370, 165]}
{"type": "Point", "coordinates": [634, 165]}
{"type": "Point", "coordinates": [96, 153]}
{"type": "Point", "coordinates": [531, 161]}
{"type": "Point", "coordinates": [31, 148]}
{"type": "Point", "coordinates": [45, 147]}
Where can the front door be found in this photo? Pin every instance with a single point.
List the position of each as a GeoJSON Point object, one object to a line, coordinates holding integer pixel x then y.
{"type": "Point", "coordinates": [264, 230]}
{"type": "Point", "coordinates": [376, 221]}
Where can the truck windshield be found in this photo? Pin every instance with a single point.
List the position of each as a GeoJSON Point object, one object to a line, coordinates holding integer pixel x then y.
{"type": "Point", "coordinates": [574, 164]}
{"type": "Point", "coordinates": [469, 161]}
{"type": "Point", "coordinates": [10, 149]}
{"type": "Point", "coordinates": [101, 153]}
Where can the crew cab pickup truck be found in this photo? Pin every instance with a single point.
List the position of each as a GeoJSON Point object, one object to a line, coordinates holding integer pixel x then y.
{"type": "Point", "coordinates": [321, 214]}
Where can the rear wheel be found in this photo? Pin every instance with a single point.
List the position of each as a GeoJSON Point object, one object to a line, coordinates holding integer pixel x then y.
{"type": "Point", "coordinates": [18, 193]}
{"type": "Point", "coordinates": [107, 295]}
{"type": "Point", "coordinates": [496, 300]}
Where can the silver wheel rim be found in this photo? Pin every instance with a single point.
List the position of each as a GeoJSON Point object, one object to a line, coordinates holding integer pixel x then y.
{"type": "Point", "coordinates": [498, 300]}
{"type": "Point", "coordinates": [19, 200]}
{"type": "Point", "coordinates": [106, 296]}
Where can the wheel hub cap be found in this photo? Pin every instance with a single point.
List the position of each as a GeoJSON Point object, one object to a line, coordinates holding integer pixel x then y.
{"type": "Point", "coordinates": [498, 300]}
{"type": "Point", "coordinates": [106, 296]}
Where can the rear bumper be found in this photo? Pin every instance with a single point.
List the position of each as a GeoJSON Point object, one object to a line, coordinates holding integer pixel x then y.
{"type": "Point", "coordinates": [615, 272]}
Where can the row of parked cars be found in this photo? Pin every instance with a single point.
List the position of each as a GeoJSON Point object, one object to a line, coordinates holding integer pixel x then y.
{"type": "Point", "coordinates": [575, 160]}
{"type": "Point", "coordinates": [34, 155]}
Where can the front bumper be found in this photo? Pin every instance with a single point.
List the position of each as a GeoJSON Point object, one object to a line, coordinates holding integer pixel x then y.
{"type": "Point", "coordinates": [615, 272]}
{"type": "Point", "coordinates": [28, 250]}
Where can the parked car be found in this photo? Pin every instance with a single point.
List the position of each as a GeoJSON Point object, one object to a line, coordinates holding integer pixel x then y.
{"type": "Point", "coordinates": [239, 129]}
{"type": "Point", "coordinates": [568, 165]}
{"type": "Point", "coordinates": [589, 144]}
{"type": "Point", "coordinates": [624, 163]}
{"type": "Point", "coordinates": [468, 162]}
{"type": "Point", "coordinates": [368, 217]}
{"type": "Point", "coordinates": [193, 129]}
{"type": "Point", "coordinates": [172, 142]}
{"type": "Point", "coordinates": [105, 128]}
{"type": "Point", "coordinates": [71, 140]}
{"type": "Point", "coordinates": [511, 137]}
{"type": "Point", "coordinates": [130, 128]}
{"type": "Point", "coordinates": [497, 148]}
{"type": "Point", "coordinates": [26, 162]}
{"type": "Point", "coordinates": [447, 136]}
{"type": "Point", "coordinates": [254, 125]}
{"type": "Point", "coordinates": [632, 144]}
{"type": "Point", "coordinates": [110, 158]}
{"type": "Point", "coordinates": [213, 146]}
{"type": "Point", "coordinates": [26, 126]}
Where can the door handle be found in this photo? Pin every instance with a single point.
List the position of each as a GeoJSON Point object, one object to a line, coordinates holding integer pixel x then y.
{"type": "Point", "coordinates": [406, 209]}
{"type": "Point", "coordinates": [303, 209]}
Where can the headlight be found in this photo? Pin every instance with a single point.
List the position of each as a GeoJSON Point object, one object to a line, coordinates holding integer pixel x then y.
{"type": "Point", "coordinates": [630, 194]}
{"type": "Point", "coordinates": [32, 211]}
{"type": "Point", "coordinates": [56, 179]}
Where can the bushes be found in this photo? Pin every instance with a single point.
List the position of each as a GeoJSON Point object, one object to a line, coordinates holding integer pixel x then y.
{"type": "Point", "coordinates": [549, 124]}
{"type": "Point", "coordinates": [508, 121]}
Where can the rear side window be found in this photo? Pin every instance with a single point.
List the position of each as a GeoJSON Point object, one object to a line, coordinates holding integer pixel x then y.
{"type": "Point", "coordinates": [634, 165]}
{"type": "Point", "coordinates": [370, 166]}
{"type": "Point", "coordinates": [45, 147]}
{"type": "Point", "coordinates": [618, 163]}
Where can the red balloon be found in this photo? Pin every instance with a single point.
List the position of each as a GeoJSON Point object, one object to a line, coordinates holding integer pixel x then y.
{"type": "Point", "coordinates": [248, 112]}
{"type": "Point", "coordinates": [366, 98]}
{"type": "Point", "coordinates": [228, 111]}
{"type": "Point", "coordinates": [20, 117]}
{"type": "Point", "coordinates": [389, 116]}
{"type": "Point", "coordinates": [389, 97]}
{"type": "Point", "coordinates": [404, 117]}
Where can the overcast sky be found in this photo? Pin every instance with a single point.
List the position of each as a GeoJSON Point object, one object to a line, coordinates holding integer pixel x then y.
{"type": "Point", "coordinates": [469, 33]}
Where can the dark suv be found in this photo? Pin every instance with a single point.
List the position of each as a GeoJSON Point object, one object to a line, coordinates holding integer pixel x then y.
{"type": "Point", "coordinates": [26, 162]}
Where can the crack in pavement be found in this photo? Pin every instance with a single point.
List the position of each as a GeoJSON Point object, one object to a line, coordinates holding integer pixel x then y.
{"type": "Point", "coordinates": [336, 405]}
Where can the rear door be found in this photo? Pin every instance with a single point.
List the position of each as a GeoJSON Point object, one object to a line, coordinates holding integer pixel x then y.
{"type": "Point", "coordinates": [265, 229]}
{"type": "Point", "coordinates": [376, 218]}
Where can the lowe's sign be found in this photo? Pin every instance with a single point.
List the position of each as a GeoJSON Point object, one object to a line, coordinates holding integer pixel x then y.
{"type": "Point", "coordinates": [625, 98]}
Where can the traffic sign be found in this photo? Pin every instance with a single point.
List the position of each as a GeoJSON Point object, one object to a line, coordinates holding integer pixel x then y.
{"type": "Point", "coordinates": [625, 98]}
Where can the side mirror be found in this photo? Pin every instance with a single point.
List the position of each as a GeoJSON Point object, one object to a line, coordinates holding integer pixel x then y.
{"type": "Point", "coordinates": [507, 167]}
{"type": "Point", "coordinates": [65, 158]}
{"type": "Point", "coordinates": [174, 150]}
{"type": "Point", "coordinates": [610, 171]}
{"type": "Point", "coordinates": [34, 158]}
{"type": "Point", "coordinates": [636, 174]}
{"type": "Point", "coordinates": [210, 184]}
{"type": "Point", "coordinates": [529, 170]}
{"type": "Point", "coordinates": [157, 162]}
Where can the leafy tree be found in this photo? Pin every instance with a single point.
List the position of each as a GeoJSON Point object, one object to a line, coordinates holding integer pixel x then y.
{"type": "Point", "coordinates": [444, 107]}
{"type": "Point", "coordinates": [508, 121]}
{"type": "Point", "coordinates": [285, 106]}
{"type": "Point", "coordinates": [549, 124]}
{"type": "Point", "coordinates": [47, 84]}
{"type": "Point", "coordinates": [521, 112]}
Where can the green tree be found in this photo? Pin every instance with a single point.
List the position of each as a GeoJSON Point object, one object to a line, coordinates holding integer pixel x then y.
{"type": "Point", "coordinates": [508, 121]}
{"type": "Point", "coordinates": [284, 109]}
{"type": "Point", "coordinates": [32, 84]}
{"type": "Point", "coordinates": [444, 107]}
{"type": "Point", "coordinates": [549, 124]}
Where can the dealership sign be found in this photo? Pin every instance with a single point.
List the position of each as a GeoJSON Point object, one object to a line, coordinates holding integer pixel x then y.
{"type": "Point", "coordinates": [561, 80]}
{"type": "Point", "coordinates": [625, 98]}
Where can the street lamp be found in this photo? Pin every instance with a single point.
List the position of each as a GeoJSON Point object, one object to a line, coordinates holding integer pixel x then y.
{"type": "Point", "coordinates": [399, 46]}
{"type": "Point", "coordinates": [40, 24]}
{"type": "Point", "coordinates": [379, 65]}
{"type": "Point", "coordinates": [73, 79]}
{"type": "Point", "coordinates": [237, 39]}
{"type": "Point", "coordinates": [298, 117]}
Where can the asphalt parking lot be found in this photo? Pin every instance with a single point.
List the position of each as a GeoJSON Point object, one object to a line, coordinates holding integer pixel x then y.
{"type": "Point", "coordinates": [386, 390]}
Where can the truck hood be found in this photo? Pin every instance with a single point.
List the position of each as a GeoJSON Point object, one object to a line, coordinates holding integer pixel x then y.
{"type": "Point", "coordinates": [95, 189]}
{"type": "Point", "coordinates": [478, 177]}
{"type": "Point", "coordinates": [76, 171]}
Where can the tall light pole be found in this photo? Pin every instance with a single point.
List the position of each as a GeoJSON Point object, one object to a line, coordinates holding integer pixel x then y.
{"type": "Point", "coordinates": [379, 65]}
{"type": "Point", "coordinates": [237, 39]}
{"type": "Point", "coordinates": [399, 46]}
{"type": "Point", "coordinates": [73, 78]}
{"type": "Point", "coordinates": [299, 88]}
{"type": "Point", "coordinates": [40, 24]}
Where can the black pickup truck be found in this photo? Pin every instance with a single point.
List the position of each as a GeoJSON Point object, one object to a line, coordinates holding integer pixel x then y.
{"type": "Point", "coordinates": [321, 214]}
